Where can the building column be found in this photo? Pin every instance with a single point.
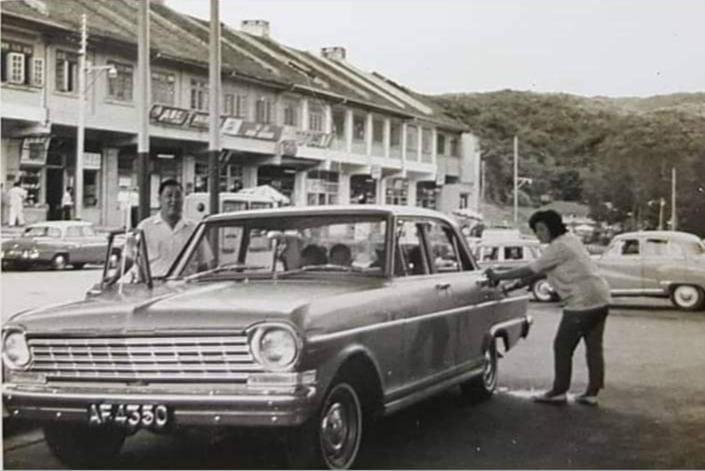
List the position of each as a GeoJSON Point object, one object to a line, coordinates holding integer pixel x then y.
{"type": "Point", "coordinates": [304, 115]}
{"type": "Point", "coordinates": [348, 131]}
{"type": "Point", "coordinates": [434, 146]}
{"type": "Point", "coordinates": [299, 196]}
{"type": "Point", "coordinates": [470, 166]}
{"type": "Point", "coordinates": [327, 119]}
{"type": "Point", "coordinates": [344, 188]}
{"type": "Point", "coordinates": [110, 187]}
{"type": "Point", "coordinates": [411, 192]}
{"type": "Point", "coordinates": [387, 137]}
{"type": "Point", "coordinates": [249, 176]}
{"type": "Point", "coordinates": [188, 171]}
{"type": "Point", "coordinates": [419, 145]}
{"type": "Point", "coordinates": [381, 190]}
{"type": "Point", "coordinates": [368, 135]}
{"type": "Point", "coordinates": [403, 144]}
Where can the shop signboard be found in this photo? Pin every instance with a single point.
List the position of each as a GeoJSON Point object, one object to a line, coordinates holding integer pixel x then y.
{"type": "Point", "coordinates": [237, 127]}
{"type": "Point", "coordinates": [34, 150]}
{"type": "Point", "coordinates": [91, 160]}
{"type": "Point", "coordinates": [169, 115]}
{"type": "Point", "coordinates": [307, 138]}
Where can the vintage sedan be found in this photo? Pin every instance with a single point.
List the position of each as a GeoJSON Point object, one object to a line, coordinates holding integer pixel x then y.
{"type": "Point", "coordinates": [513, 252]}
{"type": "Point", "coordinates": [311, 321]}
{"type": "Point", "coordinates": [667, 264]}
{"type": "Point", "coordinates": [55, 244]}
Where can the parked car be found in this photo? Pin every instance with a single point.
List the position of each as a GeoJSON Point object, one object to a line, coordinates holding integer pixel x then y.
{"type": "Point", "coordinates": [313, 321]}
{"type": "Point", "coordinates": [507, 253]}
{"type": "Point", "coordinates": [55, 244]}
{"type": "Point", "coordinates": [666, 264]}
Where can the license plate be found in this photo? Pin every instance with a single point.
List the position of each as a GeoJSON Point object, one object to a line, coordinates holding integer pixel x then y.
{"type": "Point", "coordinates": [133, 416]}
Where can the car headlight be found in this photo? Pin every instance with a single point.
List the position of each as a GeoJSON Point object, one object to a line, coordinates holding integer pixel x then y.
{"type": "Point", "coordinates": [275, 346]}
{"type": "Point", "coordinates": [15, 350]}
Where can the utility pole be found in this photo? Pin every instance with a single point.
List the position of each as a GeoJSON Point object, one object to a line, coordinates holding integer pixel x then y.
{"type": "Point", "coordinates": [674, 217]}
{"type": "Point", "coordinates": [516, 181]}
{"type": "Point", "coordinates": [143, 101]}
{"type": "Point", "coordinates": [214, 109]}
{"type": "Point", "coordinates": [81, 128]}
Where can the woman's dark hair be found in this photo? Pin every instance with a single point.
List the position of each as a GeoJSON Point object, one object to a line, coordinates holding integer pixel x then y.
{"type": "Point", "coordinates": [552, 219]}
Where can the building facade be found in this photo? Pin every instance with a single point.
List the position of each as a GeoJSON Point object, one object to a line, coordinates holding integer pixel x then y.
{"type": "Point", "coordinates": [312, 126]}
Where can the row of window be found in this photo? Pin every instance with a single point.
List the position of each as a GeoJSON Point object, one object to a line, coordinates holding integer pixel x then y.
{"type": "Point", "coordinates": [20, 67]}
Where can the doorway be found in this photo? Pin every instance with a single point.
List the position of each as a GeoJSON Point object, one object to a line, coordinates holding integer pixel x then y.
{"type": "Point", "coordinates": [54, 193]}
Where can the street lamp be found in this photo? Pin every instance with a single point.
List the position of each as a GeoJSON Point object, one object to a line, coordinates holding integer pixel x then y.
{"type": "Point", "coordinates": [84, 67]}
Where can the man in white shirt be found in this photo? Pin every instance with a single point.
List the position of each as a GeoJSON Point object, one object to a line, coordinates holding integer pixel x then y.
{"type": "Point", "coordinates": [17, 195]}
{"type": "Point", "coordinates": [167, 231]}
{"type": "Point", "coordinates": [585, 296]}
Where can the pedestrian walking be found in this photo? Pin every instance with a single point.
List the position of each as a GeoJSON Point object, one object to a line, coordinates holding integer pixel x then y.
{"type": "Point", "coordinates": [167, 231]}
{"type": "Point", "coordinates": [67, 204]}
{"type": "Point", "coordinates": [585, 297]}
{"type": "Point", "coordinates": [16, 195]}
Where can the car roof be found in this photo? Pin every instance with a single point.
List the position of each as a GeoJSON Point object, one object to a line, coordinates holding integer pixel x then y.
{"type": "Point", "coordinates": [330, 210]}
{"type": "Point", "coordinates": [676, 235]}
{"type": "Point", "coordinates": [512, 242]}
{"type": "Point", "coordinates": [59, 224]}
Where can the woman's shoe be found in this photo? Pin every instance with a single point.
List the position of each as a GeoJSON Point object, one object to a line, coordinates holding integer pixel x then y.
{"type": "Point", "coordinates": [587, 399]}
{"type": "Point", "coordinates": [550, 397]}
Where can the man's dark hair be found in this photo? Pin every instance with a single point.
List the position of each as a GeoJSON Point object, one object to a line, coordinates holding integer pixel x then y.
{"type": "Point", "coordinates": [169, 182]}
{"type": "Point", "coordinates": [552, 219]}
{"type": "Point", "coordinates": [17, 183]}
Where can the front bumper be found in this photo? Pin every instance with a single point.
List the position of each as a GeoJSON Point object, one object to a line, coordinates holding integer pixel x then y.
{"type": "Point", "coordinates": [215, 407]}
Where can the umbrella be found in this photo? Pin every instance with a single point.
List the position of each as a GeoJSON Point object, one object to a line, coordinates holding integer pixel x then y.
{"type": "Point", "coordinates": [265, 192]}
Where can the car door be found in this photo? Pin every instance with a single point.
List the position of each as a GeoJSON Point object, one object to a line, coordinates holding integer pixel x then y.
{"type": "Point", "coordinates": [473, 300]}
{"type": "Point", "coordinates": [662, 260]}
{"type": "Point", "coordinates": [429, 333]}
{"type": "Point", "coordinates": [621, 265]}
{"type": "Point", "coordinates": [93, 244]}
{"type": "Point", "coordinates": [73, 238]}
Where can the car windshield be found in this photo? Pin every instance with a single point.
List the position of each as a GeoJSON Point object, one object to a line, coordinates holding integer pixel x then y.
{"type": "Point", "coordinates": [286, 245]}
{"type": "Point", "coordinates": [42, 231]}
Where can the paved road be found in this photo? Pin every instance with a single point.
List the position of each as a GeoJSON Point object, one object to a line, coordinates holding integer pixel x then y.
{"type": "Point", "coordinates": [28, 289]}
{"type": "Point", "coordinates": [652, 414]}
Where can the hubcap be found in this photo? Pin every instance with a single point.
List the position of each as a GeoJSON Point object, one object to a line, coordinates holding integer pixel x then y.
{"type": "Point", "coordinates": [59, 262]}
{"type": "Point", "coordinates": [340, 427]}
{"type": "Point", "coordinates": [686, 296]}
{"type": "Point", "coordinates": [543, 292]}
{"type": "Point", "coordinates": [488, 373]}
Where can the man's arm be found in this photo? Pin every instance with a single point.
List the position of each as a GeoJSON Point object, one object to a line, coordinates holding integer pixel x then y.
{"type": "Point", "coordinates": [521, 272]}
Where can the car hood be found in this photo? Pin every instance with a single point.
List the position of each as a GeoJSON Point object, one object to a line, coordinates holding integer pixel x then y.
{"type": "Point", "coordinates": [188, 307]}
{"type": "Point", "coordinates": [23, 243]}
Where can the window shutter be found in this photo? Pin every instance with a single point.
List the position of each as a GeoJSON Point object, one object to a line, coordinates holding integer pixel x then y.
{"type": "Point", "coordinates": [15, 63]}
{"type": "Point", "coordinates": [38, 72]}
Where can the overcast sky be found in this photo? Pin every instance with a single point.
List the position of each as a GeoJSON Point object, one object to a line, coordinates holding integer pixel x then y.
{"type": "Point", "coordinates": [608, 47]}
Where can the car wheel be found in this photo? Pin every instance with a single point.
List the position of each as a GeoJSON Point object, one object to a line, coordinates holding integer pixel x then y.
{"type": "Point", "coordinates": [688, 297]}
{"type": "Point", "coordinates": [542, 291]}
{"type": "Point", "coordinates": [332, 438]}
{"type": "Point", "coordinates": [483, 387]}
{"type": "Point", "coordinates": [59, 261]}
{"type": "Point", "coordinates": [78, 266]}
{"type": "Point", "coordinates": [81, 446]}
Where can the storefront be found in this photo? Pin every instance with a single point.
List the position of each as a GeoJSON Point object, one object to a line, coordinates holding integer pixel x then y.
{"type": "Point", "coordinates": [397, 192]}
{"type": "Point", "coordinates": [281, 179]}
{"type": "Point", "coordinates": [427, 194]}
{"type": "Point", "coordinates": [321, 188]}
{"type": "Point", "coordinates": [362, 189]}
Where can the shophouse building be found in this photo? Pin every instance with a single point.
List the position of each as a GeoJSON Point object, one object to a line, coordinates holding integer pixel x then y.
{"type": "Point", "coordinates": [311, 125]}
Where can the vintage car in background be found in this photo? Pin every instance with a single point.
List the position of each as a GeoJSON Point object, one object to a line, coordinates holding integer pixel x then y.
{"type": "Point", "coordinates": [55, 244]}
{"type": "Point", "coordinates": [667, 264]}
{"type": "Point", "coordinates": [506, 253]}
{"type": "Point", "coordinates": [312, 321]}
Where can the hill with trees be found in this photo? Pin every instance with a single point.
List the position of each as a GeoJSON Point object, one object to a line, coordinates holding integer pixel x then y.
{"type": "Point", "coordinates": [614, 154]}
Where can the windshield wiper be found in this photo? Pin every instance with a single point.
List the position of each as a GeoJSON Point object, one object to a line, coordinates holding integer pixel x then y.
{"type": "Point", "coordinates": [239, 267]}
{"type": "Point", "coordinates": [329, 267]}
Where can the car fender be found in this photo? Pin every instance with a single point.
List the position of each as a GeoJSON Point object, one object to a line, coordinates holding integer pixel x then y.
{"type": "Point", "coordinates": [330, 366]}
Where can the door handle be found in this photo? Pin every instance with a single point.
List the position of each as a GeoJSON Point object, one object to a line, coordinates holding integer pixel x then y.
{"type": "Point", "coordinates": [442, 286]}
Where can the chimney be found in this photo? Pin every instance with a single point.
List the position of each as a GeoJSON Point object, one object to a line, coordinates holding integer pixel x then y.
{"type": "Point", "coordinates": [335, 52]}
{"type": "Point", "coordinates": [259, 28]}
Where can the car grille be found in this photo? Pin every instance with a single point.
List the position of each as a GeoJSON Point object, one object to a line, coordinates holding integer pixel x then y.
{"type": "Point", "coordinates": [150, 359]}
